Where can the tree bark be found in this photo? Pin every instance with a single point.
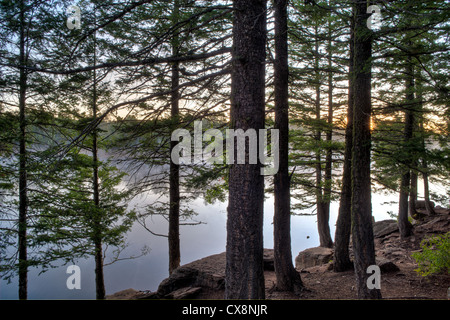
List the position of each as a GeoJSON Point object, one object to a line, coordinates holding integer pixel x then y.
{"type": "Point", "coordinates": [288, 279]}
{"type": "Point", "coordinates": [23, 178]}
{"type": "Point", "coordinates": [328, 242]}
{"type": "Point", "coordinates": [426, 188]}
{"type": "Point", "coordinates": [343, 224]}
{"type": "Point", "coordinates": [413, 192]}
{"type": "Point", "coordinates": [404, 225]}
{"type": "Point", "coordinates": [98, 253]}
{"type": "Point", "coordinates": [174, 186]}
{"type": "Point", "coordinates": [98, 239]}
{"type": "Point", "coordinates": [244, 253]}
{"type": "Point", "coordinates": [174, 171]}
{"type": "Point", "coordinates": [323, 227]}
{"type": "Point", "coordinates": [363, 243]}
{"type": "Point", "coordinates": [414, 163]}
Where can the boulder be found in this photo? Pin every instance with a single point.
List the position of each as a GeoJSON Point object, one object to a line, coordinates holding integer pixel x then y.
{"type": "Point", "coordinates": [420, 204]}
{"type": "Point", "coordinates": [208, 273]}
{"type": "Point", "coordinates": [441, 210]}
{"type": "Point", "coordinates": [436, 224]}
{"type": "Point", "coordinates": [384, 227]}
{"type": "Point", "coordinates": [387, 266]}
{"type": "Point", "coordinates": [126, 294]}
{"type": "Point", "coordinates": [313, 257]}
{"type": "Point", "coordinates": [184, 293]}
{"type": "Point", "coordinates": [182, 277]}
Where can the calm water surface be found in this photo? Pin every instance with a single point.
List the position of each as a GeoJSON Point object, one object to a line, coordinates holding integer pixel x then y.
{"type": "Point", "coordinates": [146, 272]}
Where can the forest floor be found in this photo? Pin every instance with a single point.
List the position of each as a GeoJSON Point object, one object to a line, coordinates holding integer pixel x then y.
{"type": "Point", "coordinates": [321, 282]}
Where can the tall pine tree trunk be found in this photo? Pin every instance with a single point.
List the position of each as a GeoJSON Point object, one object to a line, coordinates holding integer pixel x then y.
{"type": "Point", "coordinates": [404, 225]}
{"type": "Point", "coordinates": [413, 192]}
{"type": "Point", "coordinates": [317, 137]}
{"type": "Point", "coordinates": [414, 162]}
{"type": "Point", "coordinates": [329, 151]}
{"type": "Point", "coordinates": [98, 239]}
{"type": "Point", "coordinates": [174, 171]}
{"type": "Point", "coordinates": [23, 188]}
{"type": "Point", "coordinates": [426, 187]}
{"type": "Point", "coordinates": [288, 279]}
{"type": "Point", "coordinates": [322, 219]}
{"type": "Point", "coordinates": [362, 232]}
{"type": "Point", "coordinates": [244, 253]}
{"type": "Point", "coordinates": [343, 224]}
{"type": "Point", "coordinates": [99, 277]}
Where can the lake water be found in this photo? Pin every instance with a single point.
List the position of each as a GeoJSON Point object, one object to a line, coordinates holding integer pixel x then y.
{"type": "Point", "coordinates": [146, 272]}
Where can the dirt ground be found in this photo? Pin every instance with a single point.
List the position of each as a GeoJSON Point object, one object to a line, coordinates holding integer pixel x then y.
{"type": "Point", "coordinates": [321, 284]}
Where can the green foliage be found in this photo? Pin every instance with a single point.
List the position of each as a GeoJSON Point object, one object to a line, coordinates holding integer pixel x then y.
{"type": "Point", "coordinates": [435, 255]}
{"type": "Point", "coordinates": [317, 104]}
{"type": "Point", "coordinates": [67, 214]}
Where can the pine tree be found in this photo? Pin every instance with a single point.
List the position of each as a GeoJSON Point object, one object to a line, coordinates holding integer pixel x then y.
{"type": "Point", "coordinates": [178, 82]}
{"type": "Point", "coordinates": [38, 130]}
{"type": "Point", "coordinates": [343, 223]}
{"type": "Point", "coordinates": [174, 174]}
{"type": "Point", "coordinates": [20, 40]}
{"type": "Point", "coordinates": [287, 277]}
{"type": "Point", "coordinates": [401, 140]}
{"type": "Point", "coordinates": [317, 56]}
{"type": "Point", "coordinates": [244, 275]}
{"type": "Point", "coordinates": [362, 232]}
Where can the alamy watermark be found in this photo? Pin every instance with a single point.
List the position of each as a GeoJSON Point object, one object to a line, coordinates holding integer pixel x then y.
{"type": "Point", "coordinates": [74, 19]}
{"type": "Point", "coordinates": [74, 280]}
{"type": "Point", "coordinates": [235, 143]}
{"type": "Point", "coordinates": [374, 280]}
{"type": "Point", "coordinates": [374, 21]}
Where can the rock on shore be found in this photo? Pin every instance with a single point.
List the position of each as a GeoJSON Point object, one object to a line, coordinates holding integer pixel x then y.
{"type": "Point", "coordinates": [203, 277]}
